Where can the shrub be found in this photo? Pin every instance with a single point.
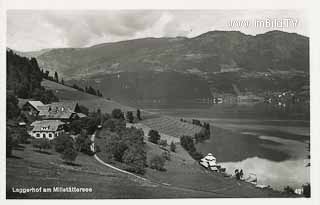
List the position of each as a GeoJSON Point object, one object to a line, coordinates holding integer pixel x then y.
{"type": "Point", "coordinates": [173, 147]}
{"type": "Point", "coordinates": [157, 162]}
{"type": "Point", "coordinates": [154, 136]}
{"type": "Point", "coordinates": [163, 143]}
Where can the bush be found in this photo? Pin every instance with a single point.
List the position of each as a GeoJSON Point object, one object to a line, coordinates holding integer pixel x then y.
{"type": "Point", "coordinates": [154, 136]}
{"type": "Point", "coordinates": [173, 147]}
{"type": "Point", "coordinates": [163, 143]}
{"type": "Point", "coordinates": [157, 162]}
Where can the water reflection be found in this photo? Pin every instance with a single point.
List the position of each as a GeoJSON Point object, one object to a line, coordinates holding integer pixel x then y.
{"type": "Point", "coordinates": [276, 174]}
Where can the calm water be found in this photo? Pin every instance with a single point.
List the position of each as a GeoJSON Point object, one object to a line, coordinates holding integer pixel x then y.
{"type": "Point", "coordinates": [263, 139]}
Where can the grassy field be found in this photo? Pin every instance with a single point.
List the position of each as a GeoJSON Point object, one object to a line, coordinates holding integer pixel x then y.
{"type": "Point", "coordinates": [29, 168]}
{"type": "Point", "coordinates": [171, 126]}
{"type": "Point", "coordinates": [182, 172]}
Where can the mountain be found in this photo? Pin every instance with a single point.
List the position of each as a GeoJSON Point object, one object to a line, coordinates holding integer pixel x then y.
{"type": "Point", "coordinates": [30, 54]}
{"type": "Point", "coordinates": [210, 52]}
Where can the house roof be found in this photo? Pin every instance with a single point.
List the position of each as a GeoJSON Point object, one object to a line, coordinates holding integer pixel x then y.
{"type": "Point", "coordinates": [63, 106]}
{"type": "Point", "coordinates": [81, 115]}
{"type": "Point", "coordinates": [46, 125]}
{"type": "Point", "coordinates": [58, 115]}
{"type": "Point", "coordinates": [36, 104]}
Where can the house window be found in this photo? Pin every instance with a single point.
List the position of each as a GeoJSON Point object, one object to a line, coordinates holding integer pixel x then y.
{"type": "Point", "coordinates": [43, 135]}
{"type": "Point", "coordinates": [37, 135]}
{"type": "Point", "coordinates": [50, 136]}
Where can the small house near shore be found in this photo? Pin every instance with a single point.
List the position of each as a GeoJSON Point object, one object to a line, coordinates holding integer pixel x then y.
{"type": "Point", "coordinates": [48, 129]}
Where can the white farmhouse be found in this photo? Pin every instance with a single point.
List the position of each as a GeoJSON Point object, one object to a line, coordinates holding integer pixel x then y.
{"type": "Point", "coordinates": [47, 129]}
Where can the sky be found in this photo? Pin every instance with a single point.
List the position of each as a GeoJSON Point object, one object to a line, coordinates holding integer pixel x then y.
{"type": "Point", "coordinates": [31, 30]}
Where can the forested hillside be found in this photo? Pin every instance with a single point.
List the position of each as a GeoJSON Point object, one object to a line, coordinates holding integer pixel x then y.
{"type": "Point", "coordinates": [24, 78]}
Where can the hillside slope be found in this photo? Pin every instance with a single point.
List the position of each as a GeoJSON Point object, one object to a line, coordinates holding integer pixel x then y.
{"type": "Point", "coordinates": [65, 93]}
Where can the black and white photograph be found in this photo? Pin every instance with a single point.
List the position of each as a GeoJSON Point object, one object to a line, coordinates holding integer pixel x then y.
{"type": "Point", "coordinates": [157, 104]}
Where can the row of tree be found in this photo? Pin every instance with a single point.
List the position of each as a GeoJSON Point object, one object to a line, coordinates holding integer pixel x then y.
{"type": "Point", "coordinates": [89, 90]}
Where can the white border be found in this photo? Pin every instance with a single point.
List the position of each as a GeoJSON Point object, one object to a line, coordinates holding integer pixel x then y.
{"type": "Point", "coordinates": [309, 6]}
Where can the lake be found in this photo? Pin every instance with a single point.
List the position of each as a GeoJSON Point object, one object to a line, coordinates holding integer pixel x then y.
{"type": "Point", "coordinates": [263, 139]}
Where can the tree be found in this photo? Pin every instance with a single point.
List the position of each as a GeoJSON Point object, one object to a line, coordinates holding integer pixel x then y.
{"type": "Point", "coordinates": [138, 114]}
{"type": "Point", "coordinates": [62, 81]}
{"type": "Point", "coordinates": [62, 142]}
{"type": "Point", "coordinates": [11, 142]}
{"type": "Point", "coordinates": [130, 117]}
{"type": "Point", "coordinates": [163, 143]}
{"type": "Point", "coordinates": [135, 158]}
{"type": "Point", "coordinates": [117, 114]}
{"type": "Point", "coordinates": [306, 190]}
{"type": "Point", "coordinates": [115, 146]}
{"type": "Point", "coordinates": [114, 125]}
{"type": "Point", "coordinates": [173, 147]}
{"type": "Point", "coordinates": [154, 136]}
{"type": "Point", "coordinates": [157, 162]}
{"type": "Point", "coordinates": [83, 143]}
{"type": "Point", "coordinates": [13, 109]}
{"type": "Point", "coordinates": [70, 154]}
{"type": "Point", "coordinates": [187, 143]}
{"type": "Point", "coordinates": [288, 190]}
{"type": "Point", "coordinates": [56, 77]}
